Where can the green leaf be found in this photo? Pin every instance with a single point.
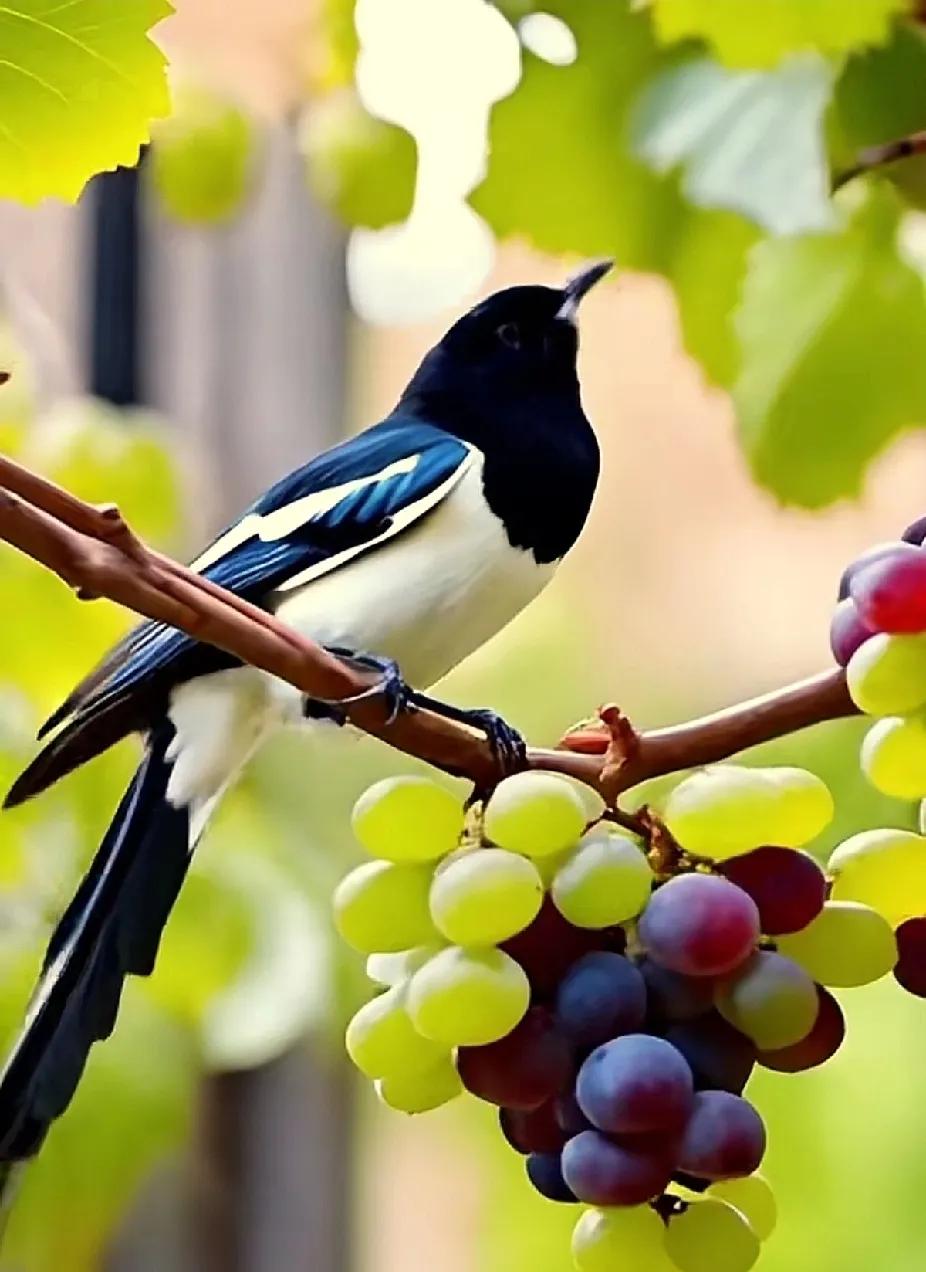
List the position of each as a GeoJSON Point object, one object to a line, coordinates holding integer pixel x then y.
{"type": "Point", "coordinates": [777, 27]}
{"type": "Point", "coordinates": [202, 162]}
{"type": "Point", "coordinates": [833, 329]}
{"type": "Point", "coordinates": [80, 82]}
{"type": "Point", "coordinates": [749, 141]}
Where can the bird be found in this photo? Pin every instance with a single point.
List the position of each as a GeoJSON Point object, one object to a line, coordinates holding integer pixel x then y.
{"type": "Point", "coordinates": [405, 547]}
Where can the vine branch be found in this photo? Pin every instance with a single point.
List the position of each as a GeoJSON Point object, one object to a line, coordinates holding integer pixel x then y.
{"type": "Point", "coordinates": [95, 552]}
{"type": "Point", "coordinates": [882, 156]}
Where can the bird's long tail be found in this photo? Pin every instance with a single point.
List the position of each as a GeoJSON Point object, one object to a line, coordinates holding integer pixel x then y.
{"type": "Point", "coordinates": [111, 929]}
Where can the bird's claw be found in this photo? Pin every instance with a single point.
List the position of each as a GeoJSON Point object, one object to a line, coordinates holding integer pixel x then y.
{"type": "Point", "coordinates": [508, 747]}
{"type": "Point", "coordinates": [391, 687]}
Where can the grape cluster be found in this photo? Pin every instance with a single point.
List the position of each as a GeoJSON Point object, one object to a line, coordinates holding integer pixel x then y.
{"type": "Point", "coordinates": [878, 633]}
{"type": "Point", "coordinates": [611, 993]}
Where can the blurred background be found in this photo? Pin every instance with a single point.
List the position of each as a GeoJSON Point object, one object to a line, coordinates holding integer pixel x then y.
{"type": "Point", "coordinates": [336, 183]}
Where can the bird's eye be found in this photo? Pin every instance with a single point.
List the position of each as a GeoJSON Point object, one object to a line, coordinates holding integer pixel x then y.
{"type": "Point", "coordinates": [509, 335]}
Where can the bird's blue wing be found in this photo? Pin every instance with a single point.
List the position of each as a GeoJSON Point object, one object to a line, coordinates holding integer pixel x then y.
{"type": "Point", "coordinates": [337, 506]}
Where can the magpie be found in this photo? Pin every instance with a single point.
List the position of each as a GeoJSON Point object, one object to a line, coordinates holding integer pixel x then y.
{"type": "Point", "coordinates": [410, 544]}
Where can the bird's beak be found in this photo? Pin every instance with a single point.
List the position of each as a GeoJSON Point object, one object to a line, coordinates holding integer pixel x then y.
{"type": "Point", "coordinates": [579, 284]}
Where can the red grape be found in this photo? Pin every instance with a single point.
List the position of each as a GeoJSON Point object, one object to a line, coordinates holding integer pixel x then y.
{"type": "Point", "coordinates": [823, 1041]}
{"type": "Point", "coordinates": [700, 925]}
{"type": "Point", "coordinates": [788, 886]}
{"type": "Point", "coordinates": [890, 594]}
{"type": "Point", "coordinates": [568, 1114]}
{"type": "Point", "coordinates": [724, 1137]}
{"type": "Point", "coordinates": [720, 1057]}
{"type": "Point", "coordinates": [635, 1084]}
{"type": "Point", "coordinates": [671, 997]}
{"type": "Point", "coordinates": [549, 946]}
{"type": "Point", "coordinates": [847, 631]}
{"type": "Point", "coordinates": [527, 1067]}
{"type": "Point", "coordinates": [911, 961]}
{"type": "Point", "coordinates": [533, 1130]}
{"type": "Point", "coordinates": [880, 552]}
{"type": "Point", "coordinates": [604, 1173]}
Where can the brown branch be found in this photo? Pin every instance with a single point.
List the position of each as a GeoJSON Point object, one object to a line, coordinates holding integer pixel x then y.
{"type": "Point", "coordinates": [95, 552]}
{"type": "Point", "coordinates": [881, 157]}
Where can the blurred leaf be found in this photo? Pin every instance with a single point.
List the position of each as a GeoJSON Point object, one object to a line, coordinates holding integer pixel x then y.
{"type": "Point", "coordinates": [881, 96]}
{"type": "Point", "coordinates": [364, 168]}
{"type": "Point", "coordinates": [202, 160]}
{"type": "Point", "coordinates": [833, 329]}
{"type": "Point", "coordinates": [748, 141]}
{"type": "Point", "coordinates": [778, 27]}
{"type": "Point", "coordinates": [82, 83]}
{"type": "Point", "coordinates": [334, 46]}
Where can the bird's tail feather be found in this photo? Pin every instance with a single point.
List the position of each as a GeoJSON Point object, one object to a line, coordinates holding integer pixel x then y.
{"type": "Point", "coordinates": [112, 928]}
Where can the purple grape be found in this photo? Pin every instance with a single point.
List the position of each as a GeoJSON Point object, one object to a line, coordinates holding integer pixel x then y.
{"type": "Point", "coordinates": [911, 962]}
{"type": "Point", "coordinates": [545, 1171]}
{"type": "Point", "coordinates": [569, 1116]}
{"type": "Point", "coordinates": [548, 947]}
{"type": "Point", "coordinates": [533, 1130]}
{"type": "Point", "coordinates": [880, 552]}
{"type": "Point", "coordinates": [672, 997]}
{"type": "Point", "coordinates": [636, 1084]}
{"type": "Point", "coordinates": [788, 886]}
{"type": "Point", "coordinates": [847, 631]}
{"type": "Point", "coordinates": [915, 532]}
{"type": "Point", "coordinates": [890, 594]}
{"type": "Point", "coordinates": [604, 1173]}
{"type": "Point", "coordinates": [724, 1137]}
{"type": "Point", "coordinates": [602, 995]}
{"type": "Point", "coordinates": [699, 925]}
{"type": "Point", "coordinates": [526, 1068]}
{"type": "Point", "coordinates": [823, 1041]}
{"type": "Point", "coordinates": [719, 1056]}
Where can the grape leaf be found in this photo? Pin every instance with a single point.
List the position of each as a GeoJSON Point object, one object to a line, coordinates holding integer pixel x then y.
{"type": "Point", "coordinates": [750, 141]}
{"type": "Point", "coordinates": [777, 27]}
{"type": "Point", "coordinates": [79, 83]}
{"type": "Point", "coordinates": [832, 329]}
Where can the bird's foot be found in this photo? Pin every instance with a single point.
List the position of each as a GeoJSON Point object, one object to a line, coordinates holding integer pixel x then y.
{"type": "Point", "coordinates": [508, 747]}
{"type": "Point", "coordinates": [391, 686]}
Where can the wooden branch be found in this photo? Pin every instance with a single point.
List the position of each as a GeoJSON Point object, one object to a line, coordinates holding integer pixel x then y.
{"type": "Point", "coordinates": [881, 157]}
{"type": "Point", "coordinates": [95, 552]}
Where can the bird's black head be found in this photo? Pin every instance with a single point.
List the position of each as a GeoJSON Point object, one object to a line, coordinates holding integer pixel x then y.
{"type": "Point", "coordinates": [503, 360]}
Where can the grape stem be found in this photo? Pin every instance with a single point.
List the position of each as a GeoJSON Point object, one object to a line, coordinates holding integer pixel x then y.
{"type": "Point", "coordinates": [882, 156]}
{"type": "Point", "coordinates": [94, 551]}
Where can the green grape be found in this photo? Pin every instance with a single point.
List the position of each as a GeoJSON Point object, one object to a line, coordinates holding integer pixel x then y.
{"type": "Point", "coordinates": [847, 944]}
{"type": "Point", "coordinates": [202, 160]}
{"type": "Point", "coordinates": [711, 1236]}
{"type": "Point", "coordinates": [485, 897]}
{"type": "Point", "coordinates": [381, 907]}
{"type": "Point", "coordinates": [468, 997]}
{"type": "Point", "coordinates": [894, 756]}
{"type": "Point", "coordinates": [887, 675]}
{"type": "Point", "coordinates": [381, 1039]}
{"type": "Point", "coordinates": [549, 867]}
{"type": "Point", "coordinates": [885, 869]}
{"type": "Point", "coordinates": [620, 1239]}
{"type": "Point", "coordinates": [725, 810]}
{"type": "Point", "coordinates": [393, 969]}
{"type": "Point", "coordinates": [771, 999]}
{"type": "Point", "coordinates": [407, 819]}
{"type": "Point", "coordinates": [422, 1091]}
{"type": "Point", "coordinates": [607, 880]}
{"type": "Point", "coordinates": [753, 1198]}
{"type": "Point", "coordinates": [535, 814]}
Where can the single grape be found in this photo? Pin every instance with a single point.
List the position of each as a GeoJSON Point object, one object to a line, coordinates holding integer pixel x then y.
{"type": "Point", "coordinates": [885, 869]}
{"type": "Point", "coordinates": [753, 1198]}
{"type": "Point", "coordinates": [545, 1171]}
{"type": "Point", "coordinates": [602, 995]}
{"type": "Point", "coordinates": [880, 552]}
{"type": "Point", "coordinates": [485, 896]}
{"type": "Point", "coordinates": [711, 1236]}
{"type": "Point", "coordinates": [533, 1130]}
{"type": "Point", "coordinates": [607, 880]}
{"type": "Point", "coordinates": [549, 946]}
{"type": "Point", "coordinates": [770, 999]}
{"type": "Point", "coordinates": [527, 1067]}
{"type": "Point", "coordinates": [535, 814]}
{"type": "Point", "coordinates": [407, 819]}
{"type": "Point", "coordinates": [381, 1038]}
{"type": "Point", "coordinates": [421, 1091]}
{"type": "Point", "coordinates": [723, 810]}
{"type": "Point", "coordinates": [887, 675]}
{"type": "Point", "coordinates": [787, 885]}
{"type": "Point", "coordinates": [568, 1114]}
{"type": "Point", "coordinates": [699, 925]}
{"type": "Point", "coordinates": [393, 969]}
{"type": "Point", "coordinates": [724, 1137]}
{"type": "Point", "coordinates": [468, 997]}
{"type": "Point", "coordinates": [890, 594]}
{"type": "Point", "coordinates": [620, 1239]}
{"type": "Point", "coordinates": [636, 1084]}
{"type": "Point", "coordinates": [847, 944]}
{"type": "Point", "coordinates": [603, 1173]}
{"type": "Point", "coordinates": [915, 532]}
{"type": "Point", "coordinates": [911, 956]}
{"type": "Point", "coordinates": [381, 907]}
{"type": "Point", "coordinates": [847, 631]}
{"type": "Point", "coordinates": [672, 997]}
{"type": "Point", "coordinates": [893, 755]}
{"type": "Point", "coordinates": [719, 1056]}
{"type": "Point", "coordinates": [823, 1041]}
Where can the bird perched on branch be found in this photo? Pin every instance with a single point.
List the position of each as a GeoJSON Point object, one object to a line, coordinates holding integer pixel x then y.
{"type": "Point", "coordinates": [405, 548]}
